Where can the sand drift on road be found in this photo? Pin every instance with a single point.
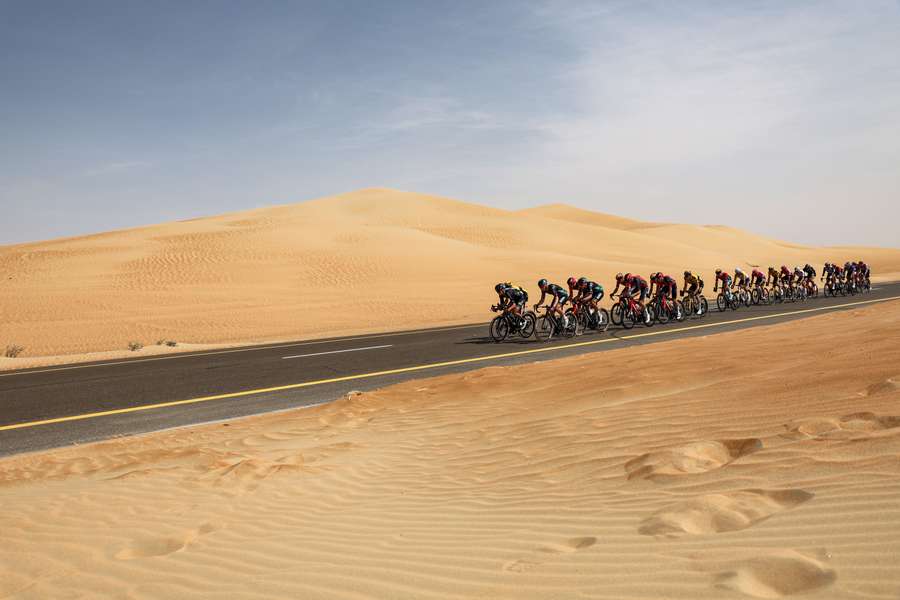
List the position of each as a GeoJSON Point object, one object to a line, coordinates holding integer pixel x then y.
{"type": "Point", "coordinates": [757, 463]}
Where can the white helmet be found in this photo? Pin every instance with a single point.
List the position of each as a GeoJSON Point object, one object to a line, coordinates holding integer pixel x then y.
{"type": "Point", "coordinates": [738, 270]}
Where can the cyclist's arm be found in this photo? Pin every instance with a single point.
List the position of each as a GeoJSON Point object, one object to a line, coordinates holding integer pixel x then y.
{"type": "Point", "coordinates": [555, 301]}
{"type": "Point", "coordinates": [541, 301]}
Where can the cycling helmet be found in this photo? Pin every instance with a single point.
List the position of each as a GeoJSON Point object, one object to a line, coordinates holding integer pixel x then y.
{"type": "Point", "coordinates": [738, 270]}
{"type": "Point", "coordinates": [581, 281]}
{"type": "Point", "coordinates": [847, 265]}
{"type": "Point", "coordinates": [860, 263]}
{"type": "Point", "coordinates": [718, 271]}
{"type": "Point", "coordinates": [499, 287]}
{"type": "Point", "coordinates": [806, 266]}
{"type": "Point", "coordinates": [687, 273]}
{"type": "Point", "coordinates": [542, 283]}
{"type": "Point", "coordinates": [571, 281]}
{"type": "Point", "coordinates": [619, 277]}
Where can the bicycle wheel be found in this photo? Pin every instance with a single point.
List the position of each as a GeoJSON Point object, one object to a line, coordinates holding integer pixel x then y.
{"type": "Point", "coordinates": [755, 296]}
{"type": "Point", "coordinates": [499, 328]}
{"type": "Point", "coordinates": [764, 296]}
{"type": "Point", "coordinates": [571, 327]}
{"type": "Point", "coordinates": [662, 315]}
{"type": "Point", "coordinates": [703, 306]}
{"type": "Point", "coordinates": [528, 327]}
{"type": "Point", "coordinates": [616, 314]}
{"type": "Point", "coordinates": [721, 302]}
{"type": "Point", "coordinates": [602, 320]}
{"type": "Point", "coordinates": [628, 319]}
{"type": "Point", "coordinates": [544, 327]}
{"type": "Point", "coordinates": [582, 322]}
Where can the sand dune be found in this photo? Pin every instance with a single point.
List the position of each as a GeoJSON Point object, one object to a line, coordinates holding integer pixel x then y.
{"type": "Point", "coordinates": [714, 471]}
{"type": "Point", "coordinates": [367, 261]}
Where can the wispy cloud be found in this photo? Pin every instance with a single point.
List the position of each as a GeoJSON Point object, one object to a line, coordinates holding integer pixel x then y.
{"type": "Point", "coordinates": [117, 167]}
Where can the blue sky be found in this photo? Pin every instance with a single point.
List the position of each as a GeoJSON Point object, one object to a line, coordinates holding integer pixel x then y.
{"type": "Point", "coordinates": [783, 118]}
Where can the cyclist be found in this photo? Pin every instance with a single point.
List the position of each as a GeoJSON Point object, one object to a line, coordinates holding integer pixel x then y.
{"type": "Point", "coordinates": [850, 272]}
{"type": "Point", "coordinates": [740, 278]}
{"type": "Point", "coordinates": [827, 273]}
{"type": "Point", "coordinates": [666, 286]}
{"type": "Point", "coordinates": [756, 278]}
{"type": "Point", "coordinates": [692, 284]}
{"type": "Point", "coordinates": [810, 276]}
{"type": "Point", "coordinates": [799, 277]}
{"type": "Point", "coordinates": [639, 286]}
{"type": "Point", "coordinates": [559, 296]}
{"type": "Point", "coordinates": [838, 275]}
{"type": "Point", "coordinates": [726, 280]}
{"type": "Point", "coordinates": [512, 299]}
{"type": "Point", "coordinates": [864, 272]}
{"type": "Point", "coordinates": [623, 281]}
{"type": "Point", "coordinates": [786, 276]}
{"type": "Point", "coordinates": [591, 292]}
{"type": "Point", "coordinates": [631, 286]}
{"type": "Point", "coordinates": [574, 290]}
{"type": "Point", "coordinates": [773, 275]}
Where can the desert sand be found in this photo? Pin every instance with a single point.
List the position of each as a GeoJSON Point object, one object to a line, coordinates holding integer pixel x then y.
{"type": "Point", "coordinates": [373, 260]}
{"type": "Point", "coordinates": [760, 463]}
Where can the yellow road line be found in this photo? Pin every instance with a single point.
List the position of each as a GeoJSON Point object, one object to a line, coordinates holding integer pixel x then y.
{"type": "Point", "coordinates": [448, 363]}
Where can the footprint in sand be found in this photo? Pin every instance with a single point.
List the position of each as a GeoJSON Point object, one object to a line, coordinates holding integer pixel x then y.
{"type": "Point", "coordinates": [696, 457]}
{"type": "Point", "coordinates": [244, 473]}
{"type": "Point", "coordinates": [777, 574]}
{"type": "Point", "coordinates": [163, 546]}
{"type": "Point", "coordinates": [846, 427]}
{"type": "Point", "coordinates": [716, 513]}
{"type": "Point", "coordinates": [891, 384]}
{"type": "Point", "coordinates": [567, 547]}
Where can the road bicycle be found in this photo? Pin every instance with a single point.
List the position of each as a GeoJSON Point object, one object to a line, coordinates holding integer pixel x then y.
{"type": "Point", "coordinates": [695, 304]}
{"type": "Point", "coordinates": [760, 295]}
{"type": "Point", "coordinates": [507, 324]}
{"type": "Point", "coordinates": [665, 309]}
{"type": "Point", "coordinates": [726, 299]}
{"type": "Point", "coordinates": [550, 324]}
{"type": "Point", "coordinates": [588, 318]}
{"type": "Point", "coordinates": [627, 313]}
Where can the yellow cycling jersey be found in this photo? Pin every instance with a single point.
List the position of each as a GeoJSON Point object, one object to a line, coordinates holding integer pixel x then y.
{"type": "Point", "coordinates": [692, 279]}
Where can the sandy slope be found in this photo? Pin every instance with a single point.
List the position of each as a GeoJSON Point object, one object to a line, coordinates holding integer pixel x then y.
{"type": "Point", "coordinates": [365, 261]}
{"type": "Point", "coordinates": [708, 470]}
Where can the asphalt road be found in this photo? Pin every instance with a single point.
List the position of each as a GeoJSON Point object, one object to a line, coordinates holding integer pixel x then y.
{"type": "Point", "coordinates": [49, 407]}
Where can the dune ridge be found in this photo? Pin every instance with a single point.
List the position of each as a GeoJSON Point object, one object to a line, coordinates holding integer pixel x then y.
{"type": "Point", "coordinates": [372, 260]}
{"type": "Point", "coordinates": [766, 473]}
